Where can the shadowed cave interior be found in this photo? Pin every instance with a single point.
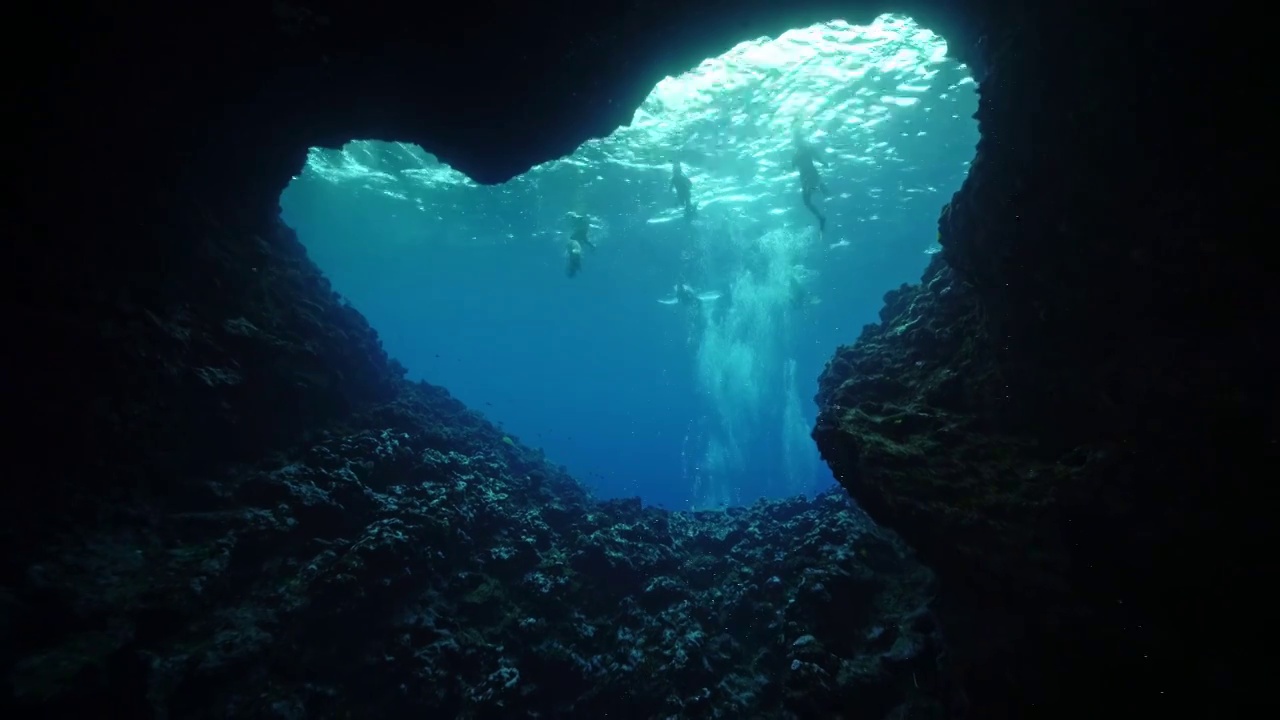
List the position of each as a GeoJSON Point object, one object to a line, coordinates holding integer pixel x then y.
{"type": "Point", "coordinates": [227, 501]}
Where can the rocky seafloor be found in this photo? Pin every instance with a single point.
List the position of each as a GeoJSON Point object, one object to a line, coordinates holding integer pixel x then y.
{"type": "Point", "coordinates": [418, 562]}
{"type": "Point", "coordinates": [298, 531]}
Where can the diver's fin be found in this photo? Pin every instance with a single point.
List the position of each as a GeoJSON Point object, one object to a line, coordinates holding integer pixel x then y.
{"type": "Point", "coordinates": [708, 296]}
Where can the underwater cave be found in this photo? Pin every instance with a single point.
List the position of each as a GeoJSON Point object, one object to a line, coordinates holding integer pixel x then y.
{"type": "Point", "coordinates": [684, 408]}
{"type": "Point", "coordinates": [243, 485]}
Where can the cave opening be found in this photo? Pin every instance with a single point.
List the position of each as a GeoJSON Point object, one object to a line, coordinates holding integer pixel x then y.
{"type": "Point", "coordinates": [678, 362]}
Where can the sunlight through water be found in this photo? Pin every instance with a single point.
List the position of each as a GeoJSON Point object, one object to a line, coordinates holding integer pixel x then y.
{"type": "Point", "coordinates": [842, 84]}
{"type": "Point", "coordinates": [706, 390]}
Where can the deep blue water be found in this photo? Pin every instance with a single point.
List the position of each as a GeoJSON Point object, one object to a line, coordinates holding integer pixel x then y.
{"type": "Point", "coordinates": [684, 407]}
{"type": "Point", "coordinates": [591, 369]}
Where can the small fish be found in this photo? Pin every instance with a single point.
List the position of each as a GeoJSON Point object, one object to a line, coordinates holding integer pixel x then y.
{"type": "Point", "coordinates": [842, 243]}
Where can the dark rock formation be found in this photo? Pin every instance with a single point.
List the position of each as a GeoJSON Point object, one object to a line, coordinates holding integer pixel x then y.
{"type": "Point", "coordinates": [212, 508]}
{"type": "Point", "coordinates": [432, 567]}
{"type": "Point", "coordinates": [1069, 415]}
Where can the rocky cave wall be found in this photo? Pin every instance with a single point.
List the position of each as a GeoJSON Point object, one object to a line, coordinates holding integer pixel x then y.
{"type": "Point", "coordinates": [1066, 414]}
{"type": "Point", "coordinates": [1071, 412]}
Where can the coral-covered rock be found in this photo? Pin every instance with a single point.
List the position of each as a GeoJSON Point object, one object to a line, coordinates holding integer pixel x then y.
{"type": "Point", "coordinates": [393, 575]}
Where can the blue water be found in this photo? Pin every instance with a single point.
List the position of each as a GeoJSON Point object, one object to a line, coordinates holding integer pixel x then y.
{"type": "Point", "coordinates": [684, 406]}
